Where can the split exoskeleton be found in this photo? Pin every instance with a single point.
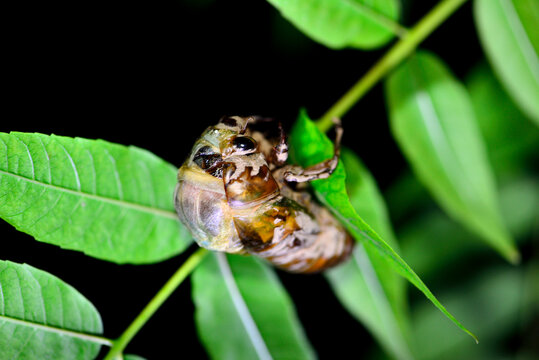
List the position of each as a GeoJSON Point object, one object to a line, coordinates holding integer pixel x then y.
{"type": "Point", "coordinates": [236, 194]}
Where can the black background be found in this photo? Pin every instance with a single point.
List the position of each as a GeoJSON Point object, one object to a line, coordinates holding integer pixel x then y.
{"type": "Point", "coordinates": [154, 75]}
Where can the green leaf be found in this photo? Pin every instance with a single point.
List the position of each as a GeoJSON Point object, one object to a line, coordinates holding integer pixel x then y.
{"type": "Point", "coordinates": [434, 124]}
{"type": "Point", "coordinates": [109, 201]}
{"type": "Point", "coordinates": [133, 357]}
{"type": "Point", "coordinates": [243, 312]}
{"type": "Point", "coordinates": [510, 36]}
{"type": "Point", "coordinates": [41, 317]}
{"type": "Point", "coordinates": [367, 285]}
{"type": "Point", "coordinates": [309, 146]}
{"type": "Point", "coordinates": [341, 23]}
{"type": "Point", "coordinates": [509, 136]}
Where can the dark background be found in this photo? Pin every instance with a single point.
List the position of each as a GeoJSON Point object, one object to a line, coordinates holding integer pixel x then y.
{"type": "Point", "coordinates": [154, 75]}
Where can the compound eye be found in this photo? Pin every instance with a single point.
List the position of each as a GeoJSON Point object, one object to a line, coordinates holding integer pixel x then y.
{"type": "Point", "coordinates": [244, 143]}
{"type": "Point", "coordinates": [205, 157]}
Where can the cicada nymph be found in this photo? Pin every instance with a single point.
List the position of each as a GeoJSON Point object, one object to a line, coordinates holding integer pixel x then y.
{"type": "Point", "coordinates": [236, 194]}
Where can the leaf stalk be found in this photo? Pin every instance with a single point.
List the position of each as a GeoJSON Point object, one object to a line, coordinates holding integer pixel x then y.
{"type": "Point", "coordinates": [394, 56]}
{"type": "Point", "coordinates": [185, 269]}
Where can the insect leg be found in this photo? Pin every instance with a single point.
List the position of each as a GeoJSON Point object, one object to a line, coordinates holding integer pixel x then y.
{"type": "Point", "coordinates": [280, 152]}
{"type": "Point", "coordinates": [322, 170]}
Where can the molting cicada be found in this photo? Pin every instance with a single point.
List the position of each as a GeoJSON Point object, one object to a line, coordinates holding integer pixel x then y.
{"type": "Point", "coordinates": [236, 194]}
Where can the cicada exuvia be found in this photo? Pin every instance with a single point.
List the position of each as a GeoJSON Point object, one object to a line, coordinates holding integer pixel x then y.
{"type": "Point", "coordinates": [237, 194]}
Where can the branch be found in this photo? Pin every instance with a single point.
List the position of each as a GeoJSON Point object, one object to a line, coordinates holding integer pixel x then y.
{"type": "Point", "coordinates": [394, 56]}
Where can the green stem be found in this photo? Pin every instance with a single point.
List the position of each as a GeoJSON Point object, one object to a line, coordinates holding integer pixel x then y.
{"type": "Point", "coordinates": [392, 58]}
{"type": "Point", "coordinates": [163, 294]}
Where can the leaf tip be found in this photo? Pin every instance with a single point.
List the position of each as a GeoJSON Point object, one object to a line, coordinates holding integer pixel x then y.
{"type": "Point", "coordinates": [514, 257]}
{"type": "Point", "coordinates": [476, 339]}
{"type": "Point", "coordinates": [511, 254]}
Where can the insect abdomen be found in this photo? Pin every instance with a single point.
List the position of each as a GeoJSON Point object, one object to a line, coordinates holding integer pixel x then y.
{"type": "Point", "coordinates": [202, 206]}
{"type": "Point", "coordinates": [285, 234]}
{"type": "Point", "coordinates": [280, 229]}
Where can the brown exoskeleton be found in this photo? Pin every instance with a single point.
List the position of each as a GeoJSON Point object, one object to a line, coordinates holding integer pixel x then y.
{"type": "Point", "coordinates": [236, 194]}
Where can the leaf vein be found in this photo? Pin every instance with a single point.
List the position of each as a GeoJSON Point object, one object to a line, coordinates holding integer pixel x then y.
{"type": "Point", "coordinates": [116, 174]}
{"type": "Point", "coordinates": [242, 309]}
{"type": "Point", "coordinates": [29, 156]}
{"type": "Point", "coordinates": [519, 33]}
{"type": "Point", "coordinates": [100, 198]}
{"type": "Point", "coordinates": [41, 297]}
{"type": "Point", "coordinates": [73, 166]}
{"type": "Point", "coordinates": [48, 159]}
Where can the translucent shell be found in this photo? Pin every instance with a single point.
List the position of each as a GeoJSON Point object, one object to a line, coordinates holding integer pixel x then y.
{"type": "Point", "coordinates": [242, 203]}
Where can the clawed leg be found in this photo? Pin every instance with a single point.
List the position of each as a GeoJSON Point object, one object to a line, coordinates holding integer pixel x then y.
{"type": "Point", "coordinates": [280, 152]}
{"type": "Point", "coordinates": [319, 171]}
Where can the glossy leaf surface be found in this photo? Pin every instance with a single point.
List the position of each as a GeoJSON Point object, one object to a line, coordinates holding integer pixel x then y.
{"type": "Point", "coordinates": [510, 36]}
{"type": "Point", "coordinates": [40, 316]}
{"type": "Point", "coordinates": [367, 285]}
{"type": "Point", "coordinates": [310, 146]}
{"type": "Point", "coordinates": [434, 124]}
{"type": "Point", "coordinates": [343, 23]}
{"type": "Point", "coordinates": [109, 201]}
{"type": "Point", "coordinates": [243, 312]}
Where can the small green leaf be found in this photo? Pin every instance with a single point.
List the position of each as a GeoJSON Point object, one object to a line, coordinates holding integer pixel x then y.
{"type": "Point", "coordinates": [433, 121]}
{"type": "Point", "coordinates": [243, 312]}
{"type": "Point", "coordinates": [309, 146]}
{"type": "Point", "coordinates": [367, 285]}
{"type": "Point", "coordinates": [341, 23]}
{"type": "Point", "coordinates": [510, 36]}
{"type": "Point", "coordinates": [133, 357]}
{"type": "Point", "coordinates": [109, 201]}
{"type": "Point", "coordinates": [41, 317]}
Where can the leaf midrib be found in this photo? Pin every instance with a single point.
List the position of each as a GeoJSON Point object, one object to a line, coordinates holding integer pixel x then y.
{"type": "Point", "coordinates": [407, 272]}
{"type": "Point", "coordinates": [122, 203]}
{"type": "Point", "coordinates": [521, 37]}
{"type": "Point", "coordinates": [437, 135]}
{"type": "Point", "coordinates": [381, 300]}
{"type": "Point", "coordinates": [51, 329]}
{"type": "Point", "coordinates": [243, 311]}
{"type": "Point", "coordinates": [380, 18]}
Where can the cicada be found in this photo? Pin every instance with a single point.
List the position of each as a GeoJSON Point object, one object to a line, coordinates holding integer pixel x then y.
{"type": "Point", "coordinates": [237, 194]}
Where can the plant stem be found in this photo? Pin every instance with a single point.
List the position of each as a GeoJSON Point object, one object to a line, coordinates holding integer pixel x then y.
{"type": "Point", "coordinates": [394, 56]}
{"type": "Point", "coordinates": [185, 269]}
